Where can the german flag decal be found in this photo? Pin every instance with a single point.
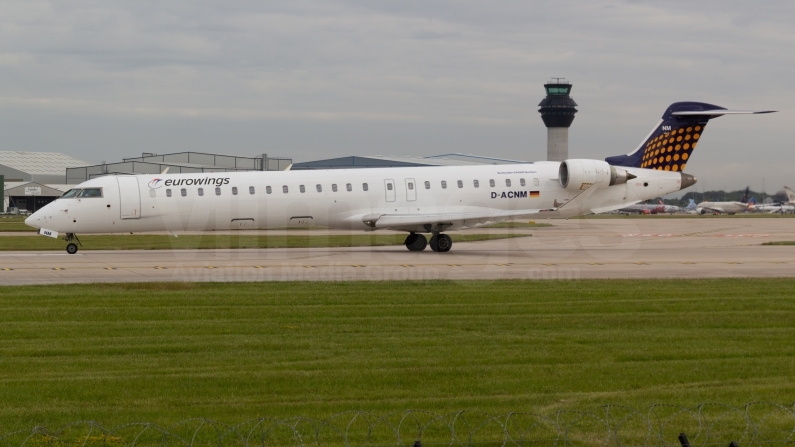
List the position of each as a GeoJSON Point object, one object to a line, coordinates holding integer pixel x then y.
{"type": "Point", "coordinates": [535, 194]}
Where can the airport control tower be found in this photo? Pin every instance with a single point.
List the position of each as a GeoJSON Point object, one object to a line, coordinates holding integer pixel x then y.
{"type": "Point", "coordinates": [557, 110]}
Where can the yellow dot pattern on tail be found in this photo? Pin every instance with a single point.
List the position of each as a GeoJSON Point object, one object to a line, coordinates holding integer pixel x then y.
{"type": "Point", "coordinates": [670, 150]}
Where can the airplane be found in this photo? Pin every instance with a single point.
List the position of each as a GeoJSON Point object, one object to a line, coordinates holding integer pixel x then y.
{"type": "Point", "coordinates": [726, 207]}
{"type": "Point", "coordinates": [651, 208]}
{"type": "Point", "coordinates": [691, 207]}
{"type": "Point", "coordinates": [782, 207]}
{"type": "Point", "coordinates": [414, 200]}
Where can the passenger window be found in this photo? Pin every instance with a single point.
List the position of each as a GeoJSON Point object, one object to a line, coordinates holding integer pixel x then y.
{"type": "Point", "coordinates": [411, 186]}
{"type": "Point", "coordinates": [349, 187]}
{"type": "Point", "coordinates": [183, 192]}
{"type": "Point", "coordinates": [168, 193]}
{"type": "Point", "coordinates": [302, 189]}
{"type": "Point", "coordinates": [285, 189]}
{"type": "Point", "coordinates": [427, 185]}
{"type": "Point", "coordinates": [91, 192]}
{"type": "Point", "coordinates": [491, 183]}
{"type": "Point", "coordinates": [365, 187]}
{"type": "Point", "coordinates": [234, 190]}
{"type": "Point", "coordinates": [72, 193]}
{"type": "Point", "coordinates": [521, 182]}
{"type": "Point", "coordinates": [476, 183]}
{"type": "Point", "coordinates": [217, 191]}
{"type": "Point", "coordinates": [507, 182]}
{"type": "Point", "coordinates": [444, 184]}
{"type": "Point", "coordinates": [535, 181]}
{"type": "Point", "coordinates": [460, 184]}
{"type": "Point", "coordinates": [268, 190]}
{"type": "Point", "coordinates": [334, 187]}
{"type": "Point", "coordinates": [319, 188]}
{"type": "Point", "coordinates": [251, 190]}
{"type": "Point", "coordinates": [201, 192]}
{"type": "Point", "coordinates": [389, 186]}
{"type": "Point", "coordinates": [152, 192]}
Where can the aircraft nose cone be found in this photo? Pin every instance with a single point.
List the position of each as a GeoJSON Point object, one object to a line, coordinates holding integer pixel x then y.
{"type": "Point", "coordinates": [32, 221]}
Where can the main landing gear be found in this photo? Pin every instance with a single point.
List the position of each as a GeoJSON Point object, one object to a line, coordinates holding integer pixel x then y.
{"type": "Point", "coordinates": [440, 243]}
{"type": "Point", "coordinates": [71, 247]}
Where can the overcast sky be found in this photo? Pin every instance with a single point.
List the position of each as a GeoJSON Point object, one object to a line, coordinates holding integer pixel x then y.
{"type": "Point", "coordinates": [101, 80]}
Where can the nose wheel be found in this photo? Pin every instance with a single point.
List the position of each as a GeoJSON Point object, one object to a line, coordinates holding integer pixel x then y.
{"type": "Point", "coordinates": [71, 247]}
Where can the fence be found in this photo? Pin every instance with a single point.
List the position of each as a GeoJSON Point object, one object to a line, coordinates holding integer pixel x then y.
{"type": "Point", "coordinates": [754, 424]}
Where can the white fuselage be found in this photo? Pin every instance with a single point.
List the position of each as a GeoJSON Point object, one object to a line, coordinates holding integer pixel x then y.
{"type": "Point", "coordinates": [260, 200]}
{"type": "Point", "coordinates": [724, 207]}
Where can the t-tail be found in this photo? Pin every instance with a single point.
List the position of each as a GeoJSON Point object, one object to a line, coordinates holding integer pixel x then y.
{"type": "Point", "coordinates": [671, 143]}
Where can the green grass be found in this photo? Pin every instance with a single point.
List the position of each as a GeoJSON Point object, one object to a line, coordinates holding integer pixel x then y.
{"type": "Point", "coordinates": [15, 223]}
{"type": "Point", "coordinates": [222, 241]}
{"type": "Point", "coordinates": [165, 352]}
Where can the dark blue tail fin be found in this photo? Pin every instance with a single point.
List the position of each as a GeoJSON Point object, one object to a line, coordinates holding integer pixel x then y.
{"type": "Point", "coordinates": [671, 143]}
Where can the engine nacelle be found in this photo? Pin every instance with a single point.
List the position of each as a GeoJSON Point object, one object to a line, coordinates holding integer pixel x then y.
{"type": "Point", "coordinates": [578, 175]}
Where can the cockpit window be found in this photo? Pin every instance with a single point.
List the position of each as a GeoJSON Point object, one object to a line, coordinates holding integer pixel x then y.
{"type": "Point", "coordinates": [70, 193]}
{"type": "Point", "coordinates": [91, 192]}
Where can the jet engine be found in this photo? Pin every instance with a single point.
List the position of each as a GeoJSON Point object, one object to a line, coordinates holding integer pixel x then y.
{"type": "Point", "coordinates": [580, 174]}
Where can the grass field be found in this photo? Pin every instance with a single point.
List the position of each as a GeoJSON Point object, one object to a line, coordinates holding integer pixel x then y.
{"type": "Point", "coordinates": [165, 352]}
{"type": "Point", "coordinates": [779, 243]}
{"type": "Point", "coordinates": [221, 241]}
{"type": "Point", "coordinates": [15, 223]}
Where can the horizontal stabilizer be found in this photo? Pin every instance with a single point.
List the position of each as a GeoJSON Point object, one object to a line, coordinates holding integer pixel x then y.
{"type": "Point", "coordinates": [720, 112]}
{"type": "Point", "coordinates": [671, 142]}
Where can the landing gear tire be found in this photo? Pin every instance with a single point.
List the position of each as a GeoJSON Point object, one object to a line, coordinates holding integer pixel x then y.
{"type": "Point", "coordinates": [441, 243]}
{"type": "Point", "coordinates": [416, 242]}
{"type": "Point", "coordinates": [72, 247]}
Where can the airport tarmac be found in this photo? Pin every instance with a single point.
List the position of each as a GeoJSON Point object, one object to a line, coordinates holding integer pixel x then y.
{"type": "Point", "coordinates": [570, 249]}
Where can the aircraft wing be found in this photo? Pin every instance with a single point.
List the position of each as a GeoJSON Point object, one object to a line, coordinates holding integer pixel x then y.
{"type": "Point", "coordinates": [573, 207]}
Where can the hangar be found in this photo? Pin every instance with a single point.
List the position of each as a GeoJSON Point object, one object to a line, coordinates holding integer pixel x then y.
{"type": "Point", "coordinates": [176, 163]}
{"type": "Point", "coordinates": [39, 167]}
{"type": "Point", "coordinates": [389, 161]}
{"type": "Point", "coordinates": [30, 196]}
{"type": "Point", "coordinates": [30, 180]}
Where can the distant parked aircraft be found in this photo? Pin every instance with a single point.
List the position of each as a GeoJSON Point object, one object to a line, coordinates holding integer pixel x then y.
{"type": "Point", "coordinates": [651, 208]}
{"type": "Point", "coordinates": [781, 207]}
{"type": "Point", "coordinates": [725, 207]}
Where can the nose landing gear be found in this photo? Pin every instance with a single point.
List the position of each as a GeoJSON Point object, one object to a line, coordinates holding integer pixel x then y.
{"type": "Point", "coordinates": [71, 248]}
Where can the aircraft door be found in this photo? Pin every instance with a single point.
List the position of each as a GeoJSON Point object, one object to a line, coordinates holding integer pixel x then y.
{"type": "Point", "coordinates": [129, 197]}
{"type": "Point", "coordinates": [389, 187]}
{"type": "Point", "coordinates": [411, 190]}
